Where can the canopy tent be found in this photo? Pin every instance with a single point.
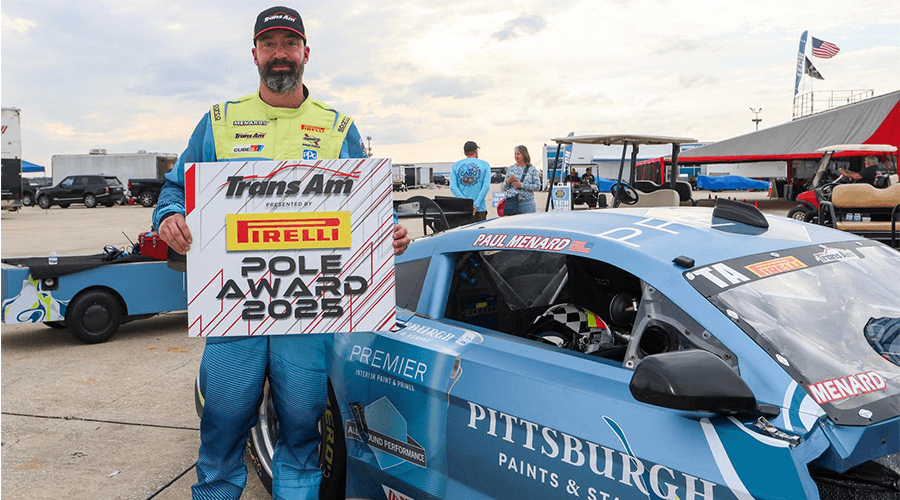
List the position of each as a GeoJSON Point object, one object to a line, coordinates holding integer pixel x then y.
{"type": "Point", "coordinates": [27, 166]}
{"type": "Point", "coordinates": [873, 121]}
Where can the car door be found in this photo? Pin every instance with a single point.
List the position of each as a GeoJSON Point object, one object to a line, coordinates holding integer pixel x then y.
{"type": "Point", "coordinates": [66, 188]}
{"type": "Point", "coordinates": [482, 408]}
{"type": "Point", "coordinates": [81, 186]}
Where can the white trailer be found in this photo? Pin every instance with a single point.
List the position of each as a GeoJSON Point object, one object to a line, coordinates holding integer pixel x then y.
{"type": "Point", "coordinates": [11, 176]}
{"type": "Point", "coordinates": [140, 165]}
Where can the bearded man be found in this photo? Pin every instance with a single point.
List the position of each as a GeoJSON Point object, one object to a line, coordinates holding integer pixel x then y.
{"type": "Point", "coordinates": [278, 122]}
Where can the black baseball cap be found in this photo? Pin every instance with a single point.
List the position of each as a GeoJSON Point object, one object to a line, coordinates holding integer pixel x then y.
{"type": "Point", "coordinates": [284, 18]}
{"type": "Point", "coordinates": [470, 146]}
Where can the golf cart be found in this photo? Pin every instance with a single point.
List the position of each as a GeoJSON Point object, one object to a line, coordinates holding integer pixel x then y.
{"type": "Point", "coordinates": [827, 175]}
{"type": "Point", "coordinates": [624, 191]}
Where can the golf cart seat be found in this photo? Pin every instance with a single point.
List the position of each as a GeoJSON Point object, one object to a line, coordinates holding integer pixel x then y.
{"type": "Point", "coordinates": [658, 198]}
{"type": "Point", "coordinates": [685, 192]}
{"type": "Point", "coordinates": [880, 208]}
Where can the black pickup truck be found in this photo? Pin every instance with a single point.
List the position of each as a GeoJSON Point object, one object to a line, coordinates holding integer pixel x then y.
{"type": "Point", "coordinates": [145, 191]}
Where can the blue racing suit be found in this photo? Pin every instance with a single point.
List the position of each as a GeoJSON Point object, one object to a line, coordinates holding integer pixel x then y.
{"type": "Point", "coordinates": [233, 369]}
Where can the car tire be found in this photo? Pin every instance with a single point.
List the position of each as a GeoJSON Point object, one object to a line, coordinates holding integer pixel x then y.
{"type": "Point", "coordinates": [799, 212]}
{"type": "Point", "coordinates": [43, 201]}
{"type": "Point", "coordinates": [27, 200]}
{"type": "Point", "coordinates": [64, 205]}
{"type": "Point", "coordinates": [147, 199]}
{"type": "Point", "coordinates": [94, 316]}
{"type": "Point", "coordinates": [90, 201]}
{"type": "Point", "coordinates": [261, 443]}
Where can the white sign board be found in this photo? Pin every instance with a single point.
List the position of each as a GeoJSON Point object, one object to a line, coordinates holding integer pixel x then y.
{"type": "Point", "coordinates": [290, 247]}
{"type": "Point", "coordinates": [562, 198]}
{"type": "Point", "coordinates": [497, 197]}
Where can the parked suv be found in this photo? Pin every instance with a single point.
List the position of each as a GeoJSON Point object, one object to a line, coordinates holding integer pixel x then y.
{"type": "Point", "coordinates": [87, 189]}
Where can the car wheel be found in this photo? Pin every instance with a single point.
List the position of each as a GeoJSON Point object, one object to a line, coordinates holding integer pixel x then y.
{"type": "Point", "coordinates": [43, 201]}
{"type": "Point", "coordinates": [94, 316]}
{"type": "Point", "coordinates": [64, 205]}
{"type": "Point", "coordinates": [27, 200]}
{"type": "Point", "coordinates": [90, 201]}
{"type": "Point", "coordinates": [261, 443]}
{"type": "Point", "coordinates": [147, 199]}
{"type": "Point", "coordinates": [799, 212]}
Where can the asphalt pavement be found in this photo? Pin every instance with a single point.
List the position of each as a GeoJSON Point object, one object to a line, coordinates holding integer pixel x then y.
{"type": "Point", "coordinates": [115, 420]}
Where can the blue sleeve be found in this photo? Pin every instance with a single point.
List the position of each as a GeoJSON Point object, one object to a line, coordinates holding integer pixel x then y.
{"type": "Point", "coordinates": [353, 146]}
{"type": "Point", "coordinates": [454, 183]}
{"type": "Point", "coordinates": [201, 148]}
{"type": "Point", "coordinates": [485, 187]}
{"type": "Point", "coordinates": [533, 182]}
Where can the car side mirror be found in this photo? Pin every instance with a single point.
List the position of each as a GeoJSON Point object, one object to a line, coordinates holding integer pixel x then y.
{"type": "Point", "coordinates": [692, 380]}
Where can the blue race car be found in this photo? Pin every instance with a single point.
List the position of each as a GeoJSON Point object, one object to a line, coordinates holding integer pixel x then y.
{"type": "Point", "coordinates": [666, 353]}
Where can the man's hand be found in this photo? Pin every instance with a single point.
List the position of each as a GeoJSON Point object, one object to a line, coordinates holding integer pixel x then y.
{"type": "Point", "coordinates": [174, 231]}
{"type": "Point", "coordinates": [853, 176]}
{"type": "Point", "coordinates": [401, 239]}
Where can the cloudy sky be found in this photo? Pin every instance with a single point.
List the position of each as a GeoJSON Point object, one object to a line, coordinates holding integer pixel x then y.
{"type": "Point", "coordinates": [421, 77]}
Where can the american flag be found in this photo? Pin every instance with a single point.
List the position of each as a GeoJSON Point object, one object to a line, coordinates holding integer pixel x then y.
{"type": "Point", "coordinates": [823, 49]}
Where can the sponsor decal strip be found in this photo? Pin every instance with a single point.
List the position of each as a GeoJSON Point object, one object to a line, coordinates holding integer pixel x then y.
{"type": "Point", "coordinates": [846, 387]}
{"type": "Point", "coordinates": [523, 242]}
{"type": "Point", "coordinates": [409, 451]}
{"type": "Point", "coordinates": [775, 266]}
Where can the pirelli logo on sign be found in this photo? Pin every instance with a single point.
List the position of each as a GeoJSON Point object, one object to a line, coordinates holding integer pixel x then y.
{"type": "Point", "coordinates": [284, 231]}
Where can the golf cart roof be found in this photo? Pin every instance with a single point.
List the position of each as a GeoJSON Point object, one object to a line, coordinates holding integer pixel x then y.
{"type": "Point", "coordinates": [878, 148]}
{"type": "Point", "coordinates": [622, 139]}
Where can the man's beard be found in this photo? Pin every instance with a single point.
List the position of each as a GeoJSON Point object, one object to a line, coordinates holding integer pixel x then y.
{"type": "Point", "coordinates": [282, 82]}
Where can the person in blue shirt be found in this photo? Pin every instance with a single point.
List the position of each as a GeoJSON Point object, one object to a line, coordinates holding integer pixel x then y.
{"type": "Point", "coordinates": [471, 178]}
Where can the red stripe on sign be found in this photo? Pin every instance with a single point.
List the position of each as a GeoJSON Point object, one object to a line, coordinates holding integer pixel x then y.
{"type": "Point", "coordinates": [189, 184]}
